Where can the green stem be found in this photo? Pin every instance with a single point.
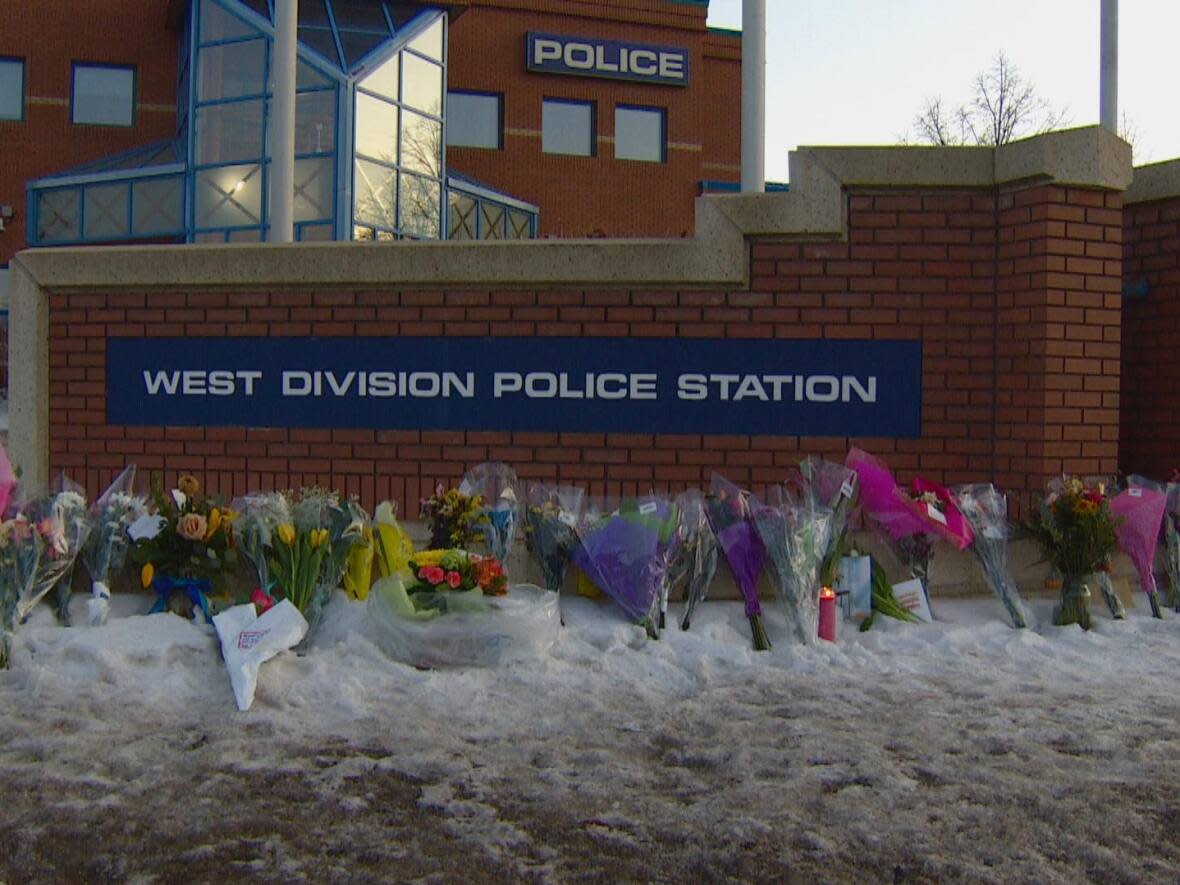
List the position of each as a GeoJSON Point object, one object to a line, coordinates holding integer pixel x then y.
{"type": "Point", "coordinates": [761, 641]}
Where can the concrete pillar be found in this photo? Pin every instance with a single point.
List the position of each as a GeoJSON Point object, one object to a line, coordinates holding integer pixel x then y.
{"type": "Point", "coordinates": [753, 96]}
{"type": "Point", "coordinates": [282, 122]}
{"type": "Point", "coordinates": [1108, 103]}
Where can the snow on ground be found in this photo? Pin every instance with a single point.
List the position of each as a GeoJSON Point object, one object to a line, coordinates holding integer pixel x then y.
{"type": "Point", "coordinates": [958, 751]}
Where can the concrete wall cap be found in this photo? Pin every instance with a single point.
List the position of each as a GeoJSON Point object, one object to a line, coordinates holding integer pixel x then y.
{"type": "Point", "coordinates": [1155, 181]}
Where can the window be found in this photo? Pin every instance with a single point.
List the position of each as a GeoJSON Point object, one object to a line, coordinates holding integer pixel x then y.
{"type": "Point", "coordinates": [567, 127]}
{"type": "Point", "coordinates": [12, 89]}
{"type": "Point", "coordinates": [103, 95]}
{"type": "Point", "coordinates": [474, 120]}
{"type": "Point", "coordinates": [639, 134]}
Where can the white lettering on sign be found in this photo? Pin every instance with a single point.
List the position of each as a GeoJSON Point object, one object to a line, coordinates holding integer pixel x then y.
{"type": "Point", "coordinates": [607, 58]}
{"type": "Point", "coordinates": [693, 387]}
{"type": "Point", "coordinates": [199, 382]}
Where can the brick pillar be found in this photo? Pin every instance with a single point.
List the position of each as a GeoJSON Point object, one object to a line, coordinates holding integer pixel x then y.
{"type": "Point", "coordinates": [1058, 331]}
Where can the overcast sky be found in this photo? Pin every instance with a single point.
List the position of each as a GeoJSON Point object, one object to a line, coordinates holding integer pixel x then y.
{"type": "Point", "coordinates": [859, 71]}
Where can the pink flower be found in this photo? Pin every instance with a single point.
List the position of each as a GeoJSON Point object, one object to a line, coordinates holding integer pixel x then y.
{"type": "Point", "coordinates": [192, 527]}
{"type": "Point", "coordinates": [454, 579]}
{"type": "Point", "coordinates": [435, 574]}
{"type": "Point", "coordinates": [262, 601]}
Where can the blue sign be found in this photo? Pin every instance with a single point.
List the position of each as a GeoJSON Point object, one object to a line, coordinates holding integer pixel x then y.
{"type": "Point", "coordinates": [631, 385]}
{"type": "Point", "coordinates": [590, 57]}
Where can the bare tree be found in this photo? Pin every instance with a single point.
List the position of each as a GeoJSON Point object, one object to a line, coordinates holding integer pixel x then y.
{"type": "Point", "coordinates": [1004, 106]}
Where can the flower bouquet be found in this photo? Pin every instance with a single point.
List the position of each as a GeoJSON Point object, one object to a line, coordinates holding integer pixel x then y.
{"type": "Point", "coordinates": [7, 481]}
{"type": "Point", "coordinates": [796, 539]}
{"type": "Point", "coordinates": [695, 562]}
{"type": "Point", "coordinates": [495, 485]}
{"type": "Point", "coordinates": [453, 516]}
{"type": "Point", "coordinates": [551, 516]}
{"type": "Point", "coordinates": [1076, 531]}
{"type": "Point", "coordinates": [626, 555]}
{"type": "Point", "coordinates": [61, 527]}
{"type": "Point", "coordinates": [1172, 542]}
{"type": "Point", "coordinates": [440, 579]}
{"type": "Point", "coordinates": [826, 484]}
{"type": "Point", "coordinates": [986, 508]}
{"type": "Point", "coordinates": [259, 516]}
{"type": "Point", "coordinates": [192, 546]}
{"type": "Point", "coordinates": [111, 517]}
{"type": "Point", "coordinates": [730, 514]}
{"type": "Point", "coordinates": [1139, 513]}
{"type": "Point", "coordinates": [307, 556]}
{"type": "Point", "coordinates": [913, 521]}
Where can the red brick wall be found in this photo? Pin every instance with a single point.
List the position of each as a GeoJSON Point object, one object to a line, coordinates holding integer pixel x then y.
{"type": "Point", "coordinates": [1013, 325]}
{"type": "Point", "coordinates": [1150, 425]}
{"type": "Point", "coordinates": [51, 34]}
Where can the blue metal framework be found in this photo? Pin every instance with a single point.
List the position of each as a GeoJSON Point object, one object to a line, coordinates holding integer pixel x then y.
{"type": "Point", "coordinates": [210, 183]}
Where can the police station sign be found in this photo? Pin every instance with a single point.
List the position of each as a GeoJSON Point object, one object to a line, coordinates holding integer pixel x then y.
{"type": "Point", "coordinates": [756, 387]}
{"type": "Point", "coordinates": [590, 57]}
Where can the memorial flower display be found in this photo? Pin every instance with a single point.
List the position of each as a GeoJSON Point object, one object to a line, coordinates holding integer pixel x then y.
{"type": "Point", "coordinates": [1172, 541]}
{"type": "Point", "coordinates": [731, 515]}
{"type": "Point", "coordinates": [796, 536]}
{"type": "Point", "coordinates": [1139, 513]}
{"type": "Point", "coordinates": [61, 529]}
{"type": "Point", "coordinates": [1076, 530]}
{"type": "Point", "coordinates": [986, 508]}
{"type": "Point", "coordinates": [695, 563]}
{"type": "Point", "coordinates": [453, 516]}
{"type": "Point", "coordinates": [111, 519]}
{"type": "Point", "coordinates": [495, 486]}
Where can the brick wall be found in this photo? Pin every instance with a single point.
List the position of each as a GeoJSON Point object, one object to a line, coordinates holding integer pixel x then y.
{"type": "Point", "coordinates": [1013, 294]}
{"type": "Point", "coordinates": [1151, 329]}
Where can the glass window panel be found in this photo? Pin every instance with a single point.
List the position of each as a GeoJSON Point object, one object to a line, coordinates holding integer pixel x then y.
{"type": "Point", "coordinates": [315, 233]}
{"type": "Point", "coordinates": [366, 234]}
{"type": "Point", "coordinates": [58, 215]}
{"type": "Point", "coordinates": [520, 225]}
{"type": "Point", "coordinates": [430, 42]}
{"type": "Point", "coordinates": [567, 128]}
{"type": "Point", "coordinates": [232, 70]}
{"type": "Point", "coordinates": [376, 128]}
{"type": "Point", "coordinates": [491, 221]}
{"type": "Point", "coordinates": [12, 89]}
{"type": "Point", "coordinates": [384, 78]}
{"type": "Point", "coordinates": [252, 235]}
{"type": "Point", "coordinates": [259, 6]}
{"type": "Point", "coordinates": [375, 190]}
{"type": "Point", "coordinates": [230, 196]}
{"type": "Point", "coordinates": [315, 122]}
{"type": "Point", "coordinates": [360, 15]}
{"type": "Point", "coordinates": [473, 120]}
{"type": "Point", "coordinates": [315, 31]}
{"type": "Point", "coordinates": [462, 218]}
{"type": "Point", "coordinates": [639, 134]}
{"type": "Point", "coordinates": [314, 193]}
{"type": "Point", "coordinates": [210, 236]}
{"type": "Point", "coordinates": [422, 84]}
{"type": "Point", "coordinates": [357, 45]}
{"type": "Point", "coordinates": [218, 24]}
{"type": "Point", "coordinates": [103, 96]}
{"type": "Point", "coordinates": [104, 211]}
{"type": "Point", "coordinates": [229, 132]}
{"type": "Point", "coordinates": [156, 205]}
{"type": "Point", "coordinates": [307, 77]}
{"type": "Point", "coordinates": [421, 207]}
{"type": "Point", "coordinates": [421, 144]}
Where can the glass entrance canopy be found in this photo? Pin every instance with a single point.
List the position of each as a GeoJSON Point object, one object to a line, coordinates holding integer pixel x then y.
{"type": "Point", "coordinates": [370, 130]}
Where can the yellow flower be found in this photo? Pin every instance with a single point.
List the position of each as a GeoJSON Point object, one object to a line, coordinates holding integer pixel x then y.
{"type": "Point", "coordinates": [318, 538]}
{"type": "Point", "coordinates": [286, 533]}
{"type": "Point", "coordinates": [1085, 507]}
{"type": "Point", "coordinates": [428, 557]}
{"type": "Point", "coordinates": [188, 485]}
{"type": "Point", "coordinates": [214, 522]}
{"type": "Point", "coordinates": [146, 574]}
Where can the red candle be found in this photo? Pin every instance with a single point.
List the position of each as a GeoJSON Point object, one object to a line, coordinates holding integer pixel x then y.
{"type": "Point", "coordinates": [827, 614]}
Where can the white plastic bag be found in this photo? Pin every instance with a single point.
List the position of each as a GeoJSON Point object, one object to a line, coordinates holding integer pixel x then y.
{"type": "Point", "coordinates": [523, 624]}
{"type": "Point", "coordinates": [247, 640]}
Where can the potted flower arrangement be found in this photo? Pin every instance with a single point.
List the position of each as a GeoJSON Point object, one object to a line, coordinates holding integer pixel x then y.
{"type": "Point", "coordinates": [1076, 530]}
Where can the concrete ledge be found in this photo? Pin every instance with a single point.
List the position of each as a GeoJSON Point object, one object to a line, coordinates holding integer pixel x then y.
{"type": "Point", "coordinates": [1088, 157]}
{"type": "Point", "coordinates": [1156, 181]}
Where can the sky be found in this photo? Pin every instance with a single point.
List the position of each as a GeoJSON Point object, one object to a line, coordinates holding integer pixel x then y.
{"type": "Point", "coordinates": [859, 71]}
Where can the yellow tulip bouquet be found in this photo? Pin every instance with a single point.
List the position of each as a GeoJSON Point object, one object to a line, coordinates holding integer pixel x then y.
{"type": "Point", "coordinates": [193, 536]}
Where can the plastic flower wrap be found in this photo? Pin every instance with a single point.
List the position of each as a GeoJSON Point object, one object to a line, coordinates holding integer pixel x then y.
{"type": "Point", "coordinates": [829, 485]}
{"type": "Point", "coordinates": [626, 554]}
{"type": "Point", "coordinates": [796, 536]}
{"type": "Point", "coordinates": [496, 486]}
{"type": "Point", "coordinates": [111, 516]}
{"type": "Point", "coordinates": [912, 521]}
{"type": "Point", "coordinates": [438, 575]}
{"type": "Point", "coordinates": [22, 546]}
{"type": "Point", "coordinates": [730, 515]}
{"type": "Point", "coordinates": [259, 515]}
{"type": "Point", "coordinates": [695, 562]}
{"type": "Point", "coordinates": [392, 546]}
{"type": "Point", "coordinates": [1139, 512]}
{"type": "Point", "coordinates": [986, 508]}
{"type": "Point", "coordinates": [552, 514]}
{"type": "Point", "coordinates": [7, 481]}
{"type": "Point", "coordinates": [1172, 542]}
{"type": "Point", "coordinates": [1075, 528]}
{"type": "Point", "coordinates": [472, 629]}
{"type": "Point", "coordinates": [454, 517]}
{"type": "Point", "coordinates": [61, 522]}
